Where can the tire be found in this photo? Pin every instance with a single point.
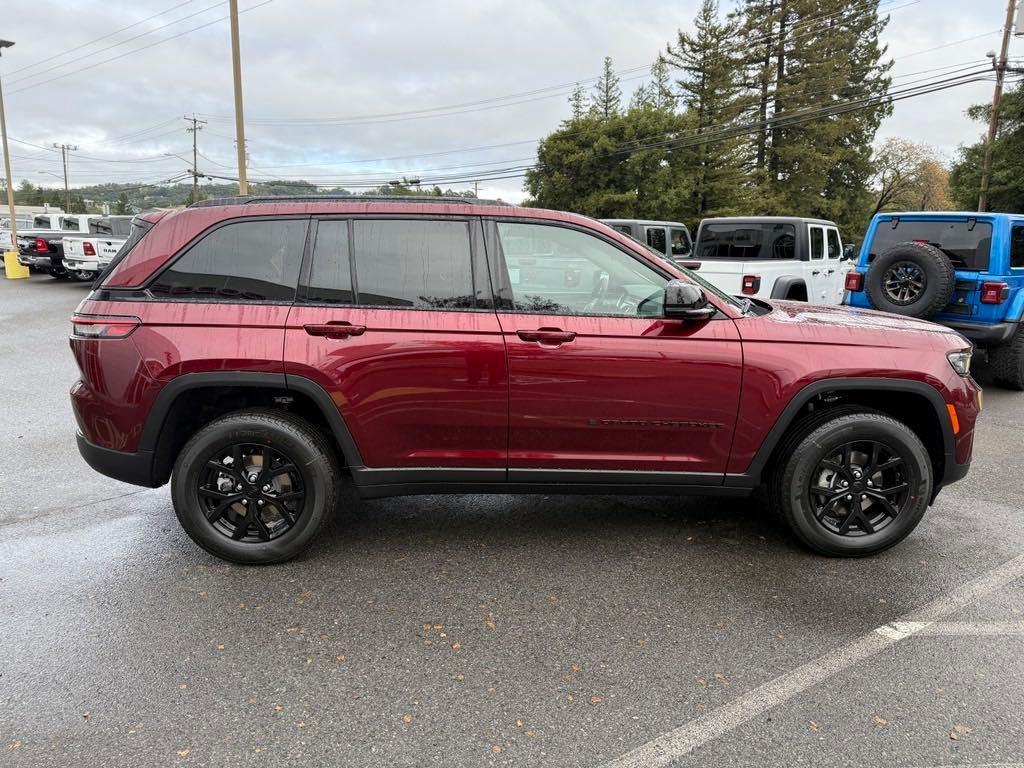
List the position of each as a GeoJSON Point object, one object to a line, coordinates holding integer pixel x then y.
{"type": "Point", "coordinates": [82, 276]}
{"type": "Point", "coordinates": [913, 279]}
{"type": "Point", "coordinates": [869, 527]}
{"type": "Point", "coordinates": [58, 274]}
{"type": "Point", "coordinates": [286, 528]}
{"type": "Point", "coordinates": [1007, 361]}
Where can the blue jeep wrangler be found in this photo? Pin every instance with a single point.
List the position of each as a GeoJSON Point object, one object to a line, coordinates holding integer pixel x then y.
{"type": "Point", "coordinates": [963, 270]}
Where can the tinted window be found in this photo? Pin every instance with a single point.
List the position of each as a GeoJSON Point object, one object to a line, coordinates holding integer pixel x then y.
{"type": "Point", "coordinates": [41, 222]}
{"type": "Point", "coordinates": [559, 271]}
{"type": "Point", "coordinates": [966, 244]}
{"type": "Point", "coordinates": [817, 243]}
{"type": "Point", "coordinates": [243, 261]}
{"type": "Point", "coordinates": [681, 245]}
{"type": "Point", "coordinates": [747, 241]}
{"type": "Point", "coordinates": [330, 278]}
{"type": "Point", "coordinates": [623, 228]}
{"type": "Point", "coordinates": [69, 224]}
{"type": "Point", "coordinates": [835, 250]}
{"type": "Point", "coordinates": [656, 239]}
{"type": "Point", "coordinates": [1017, 247]}
{"type": "Point", "coordinates": [424, 264]}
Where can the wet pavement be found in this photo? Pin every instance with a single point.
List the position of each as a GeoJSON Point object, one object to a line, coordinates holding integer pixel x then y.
{"type": "Point", "coordinates": [468, 631]}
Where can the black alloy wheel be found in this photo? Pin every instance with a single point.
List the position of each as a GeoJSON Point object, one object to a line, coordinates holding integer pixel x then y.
{"type": "Point", "coordinates": [904, 283]}
{"type": "Point", "coordinates": [251, 492]}
{"type": "Point", "coordinates": [859, 489]}
{"type": "Point", "coordinates": [255, 486]}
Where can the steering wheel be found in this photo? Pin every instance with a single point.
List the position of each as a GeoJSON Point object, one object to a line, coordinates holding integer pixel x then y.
{"type": "Point", "coordinates": [598, 294]}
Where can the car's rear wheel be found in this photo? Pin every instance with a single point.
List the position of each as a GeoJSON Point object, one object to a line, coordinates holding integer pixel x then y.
{"type": "Point", "coordinates": [852, 485]}
{"type": "Point", "coordinates": [82, 276]}
{"type": "Point", "coordinates": [1007, 361]}
{"type": "Point", "coordinates": [255, 486]}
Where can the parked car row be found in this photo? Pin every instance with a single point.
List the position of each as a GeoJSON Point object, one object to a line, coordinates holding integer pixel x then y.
{"type": "Point", "coordinates": [964, 270]}
{"type": "Point", "coordinates": [76, 246]}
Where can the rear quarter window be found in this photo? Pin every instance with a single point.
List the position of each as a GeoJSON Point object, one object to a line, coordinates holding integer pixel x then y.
{"type": "Point", "coordinates": [242, 261]}
{"type": "Point", "coordinates": [1017, 246]}
{"type": "Point", "coordinates": [968, 244]}
{"type": "Point", "coordinates": [747, 241]}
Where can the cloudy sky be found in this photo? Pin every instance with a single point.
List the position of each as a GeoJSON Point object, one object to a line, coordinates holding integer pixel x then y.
{"type": "Point", "coordinates": [362, 91]}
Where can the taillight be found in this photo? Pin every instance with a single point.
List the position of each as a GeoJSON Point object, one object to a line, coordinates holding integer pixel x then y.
{"type": "Point", "coordinates": [751, 284]}
{"type": "Point", "coordinates": [42, 246]}
{"type": "Point", "coordinates": [103, 326]}
{"type": "Point", "coordinates": [855, 281]}
{"type": "Point", "coordinates": [994, 293]}
{"type": "Point", "coordinates": [87, 249]}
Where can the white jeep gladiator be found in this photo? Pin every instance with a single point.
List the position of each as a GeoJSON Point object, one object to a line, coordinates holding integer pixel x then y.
{"type": "Point", "coordinates": [773, 257]}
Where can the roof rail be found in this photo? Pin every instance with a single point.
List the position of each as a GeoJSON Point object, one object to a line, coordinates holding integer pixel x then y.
{"type": "Point", "coordinates": [257, 199]}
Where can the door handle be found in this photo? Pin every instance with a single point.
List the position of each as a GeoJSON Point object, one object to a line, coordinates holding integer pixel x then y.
{"type": "Point", "coordinates": [547, 335]}
{"type": "Point", "coordinates": [816, 272]}
{"type": "Point", "coordinates": [336, 329]}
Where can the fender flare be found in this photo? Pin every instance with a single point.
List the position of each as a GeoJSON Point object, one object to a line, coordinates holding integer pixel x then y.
{"type": "Point", "coordinates": [783, 285]}
{"type": "Point", "coordinates": [790, 413]}
{"type": "Point", "coordinates": [169, 393]}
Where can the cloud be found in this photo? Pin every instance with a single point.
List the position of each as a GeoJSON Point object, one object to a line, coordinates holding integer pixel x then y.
{"type": "Point", "coordinates": [319, 59]}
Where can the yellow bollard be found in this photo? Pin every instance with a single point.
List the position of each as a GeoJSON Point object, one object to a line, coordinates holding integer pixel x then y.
{"type": "Point", "coordinates": [14, 270]}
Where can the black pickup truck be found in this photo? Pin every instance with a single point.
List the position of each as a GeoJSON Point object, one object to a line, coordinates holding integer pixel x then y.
{"type": "Point", "coordinates": [43, 249]}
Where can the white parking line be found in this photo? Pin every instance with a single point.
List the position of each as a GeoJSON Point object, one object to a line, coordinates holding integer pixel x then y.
{"type": "Point", "coordinates": [974, 628]}
{"type": "Point", "coordinates": [669, 747]}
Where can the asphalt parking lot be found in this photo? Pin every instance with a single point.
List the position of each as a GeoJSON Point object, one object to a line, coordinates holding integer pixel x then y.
{"type": "Point", "coordinates": [526, 631]}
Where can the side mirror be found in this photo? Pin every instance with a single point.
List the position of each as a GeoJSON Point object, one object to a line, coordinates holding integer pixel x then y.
{"type": "Point", "coordinates": [686, 301]}
{"type": "Point", "coordinates": [849, 252]}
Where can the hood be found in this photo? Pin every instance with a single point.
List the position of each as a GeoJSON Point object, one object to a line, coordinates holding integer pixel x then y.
{"type": "Point", "coordinates": [851, 325]}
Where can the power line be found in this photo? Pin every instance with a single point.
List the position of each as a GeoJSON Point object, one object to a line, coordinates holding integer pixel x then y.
{"type": "Point", "coordinates": [135, 50]}
{"type": "Point", "coordinates": [103, 37]}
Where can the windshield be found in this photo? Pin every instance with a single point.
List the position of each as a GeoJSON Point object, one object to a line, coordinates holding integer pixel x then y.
{"type": "Point", "coordinates": [967, 243]}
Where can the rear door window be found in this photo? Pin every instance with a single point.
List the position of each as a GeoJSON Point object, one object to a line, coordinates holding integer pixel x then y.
{"type": "Point", "coordinates": [424, 264]}
{"type": "Point", "coordinates": [681, 245]}
{"type": "Point", "coordinates": [968, 244]}
{"type": "Point", "coordinates": [1017, 246]}
{"type": "Point", "coordinates": [255, 260]}
{"type": "Point", "coordinates": [656, 239]}
{"type": "Point", "coordinates": [817, 242]}
{"type": "Point", "coordinates": [330, 275]}
{"type": "Point", "coordinates": [748, 241]}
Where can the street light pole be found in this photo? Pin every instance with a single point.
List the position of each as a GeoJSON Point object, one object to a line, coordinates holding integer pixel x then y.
{"type": "Point", "coordinates": [236, 65]}
{"type": "Point", "coordinates": [7, 159]}
{"type": "Point", "coordinates": [997, 97]}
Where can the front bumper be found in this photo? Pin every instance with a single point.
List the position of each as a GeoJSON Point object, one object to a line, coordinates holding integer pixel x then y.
{"type": "Point", "coordinates": [135, 468]}
{"type": "Point", "coordinates": [985, 334]}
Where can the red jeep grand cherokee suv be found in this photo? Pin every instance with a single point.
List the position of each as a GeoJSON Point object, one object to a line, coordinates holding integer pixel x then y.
{"type": "Point", "coordinates": [253, 350]}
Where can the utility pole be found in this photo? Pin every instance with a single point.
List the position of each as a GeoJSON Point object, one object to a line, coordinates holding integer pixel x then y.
{"type": "Point", "coordinates": [236, 65]}
{"type": "Point", "coordinates": [197, 126]}
{"type": "Point", "coordinates": [64, 149]}
{"type": "Point", "coordinates": [7, 161]}
{"type": "Point", "coordinates": [993, 128]}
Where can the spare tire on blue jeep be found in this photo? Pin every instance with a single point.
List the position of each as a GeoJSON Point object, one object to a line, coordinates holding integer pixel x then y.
{"type": "Point", "coordinates": [913, 279]}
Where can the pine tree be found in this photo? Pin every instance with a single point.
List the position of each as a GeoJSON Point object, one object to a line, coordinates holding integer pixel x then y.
{"type": "Point", "coordinates": [709, 87]}
{"type": "Point", "coordinates": [607, 97]}
{"type": "Point", "coordinates": [578, 102]}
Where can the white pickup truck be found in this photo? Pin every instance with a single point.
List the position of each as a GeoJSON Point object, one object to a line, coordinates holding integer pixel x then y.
{"type": "Point", "coordinates": [85, 256]}
{"type": "Point", "coordinates": [776, 257]}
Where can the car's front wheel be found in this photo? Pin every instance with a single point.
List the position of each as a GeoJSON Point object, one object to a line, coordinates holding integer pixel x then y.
{"type": "Point", "coordinates": [854, 484]}
{"type": "Point", "coordinates": [255, 486]}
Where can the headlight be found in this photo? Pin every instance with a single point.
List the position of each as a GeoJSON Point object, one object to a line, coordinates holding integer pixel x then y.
{"type": "Point", "coordinates": [961, 361]}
